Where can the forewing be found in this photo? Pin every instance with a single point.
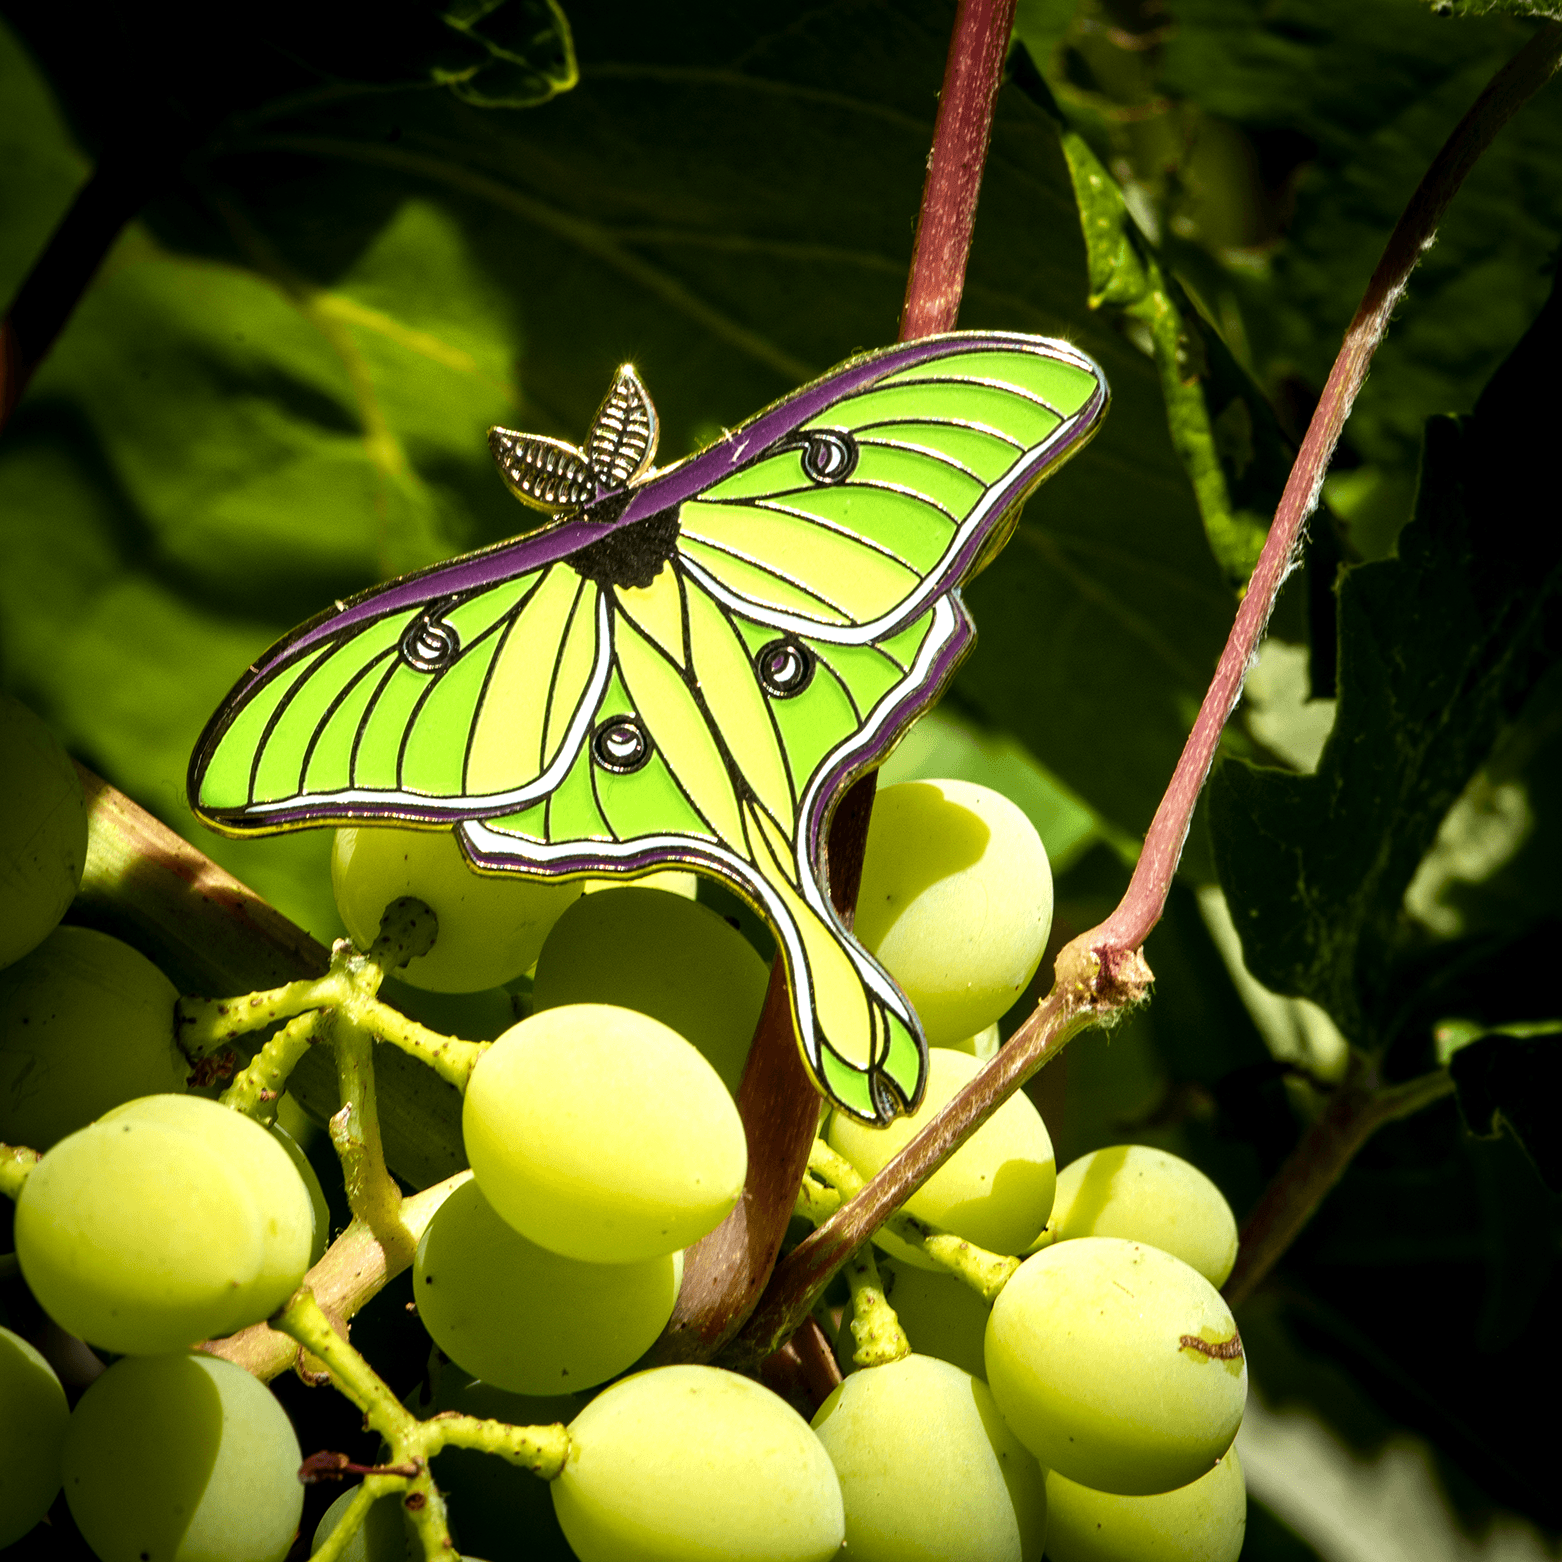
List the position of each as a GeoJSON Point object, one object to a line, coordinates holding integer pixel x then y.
{"type": "Point", "coordinates": [904, 471]}
{"type": "Point", "coordinates": [468, 696]}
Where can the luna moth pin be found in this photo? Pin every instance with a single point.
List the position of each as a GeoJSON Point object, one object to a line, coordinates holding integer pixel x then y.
{"type": "Point", "coordinates": [686, 667]}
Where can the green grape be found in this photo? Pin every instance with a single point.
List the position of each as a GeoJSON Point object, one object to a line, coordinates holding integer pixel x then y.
{"type": "Point", "coordinates": [382, 1537]}
{"type": "Point", "coordinates": [995, 1190]}
{"type": "Point", "coordinates": [603, 1135]}
{"type": "Point", "coordinates": [491, 926]}
{"type": "Point", "coordinates": [529, 1320]}
{"type": "Point", "coordinates": [319, 1210]}
{"type": "Point", "coordinates": [694, 1464]}
{"type": "Point", "coordinates": [43, 831]}
{"type": "Point", "coordinates": [672, 958]}
{"type": "Point", "coordinates": [138, 1239]}
{"type": "Point", "coordinates": [85, 1023]}
{"type": "Point", "coordinates": [1117, 1365]}
{"type": "Point", "coordinates": [928, 1470]}
{"type": "Point", "coordinates": [277, 1192]}
{"type": "Point", "coordinates": [1201, 1522]}
{"type": "Point", "coordinates": [956, 902]}
{"type": "Point", "coordinates": [942, 1316]}
{"type": "Point", "coordinates": [1146, 1195]}
{"type": "Point", "coordinates": [182, 1458]}
{"type": "Point", "coordinates": [983, 1046]}
{"type": "Point", "coordinates": [32, 1433]}
{"type": "Point", "coordinates": [143, 1236]}
{"type": "Point", "coordinates": [498, 1509]}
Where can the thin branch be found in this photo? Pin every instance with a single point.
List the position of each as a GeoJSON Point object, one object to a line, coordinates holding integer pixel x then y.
{"type": "Point", "coordinates": [1354, 1112]}
{"type": "Point", "coordinates": [1102, 971]}
{"type": "Point", "coordinates": [954, 171]}
{"type": "Point", "coordinates": [1524, 75]}
{"type": "Point", "coordinates": [354, 1269]}
{"type": "Point", "coordinates": [725, 1273]}
{"type": "Point", "coordinates": [128, 174]}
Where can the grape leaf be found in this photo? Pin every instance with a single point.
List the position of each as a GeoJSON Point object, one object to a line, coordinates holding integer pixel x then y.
{"type": "Point", "coordinates": [1361, 97]}
{"type": "Point", "coordinates": [278, 389]}
{"type": "Point", "coordinates": [1438, 648]}
{"type": "Point", "coordinates": [1510, 1085]}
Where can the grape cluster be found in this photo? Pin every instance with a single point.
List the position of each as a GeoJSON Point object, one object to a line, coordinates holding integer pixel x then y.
{"type": "Point", "coordinates": [1035, 1359]}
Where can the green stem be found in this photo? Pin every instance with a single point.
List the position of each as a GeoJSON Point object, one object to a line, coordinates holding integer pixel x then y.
{"type": "Point", "coordinates": [255, 1088]}
{"type": "Point", "coordinates": [876, 1330]}
{"type": "Point", "coordinates": [832, 1180]}
{"type": "Point", "coordinates": [372, 1194]}
{"type": "Point", "coordinates": [543, 1450]}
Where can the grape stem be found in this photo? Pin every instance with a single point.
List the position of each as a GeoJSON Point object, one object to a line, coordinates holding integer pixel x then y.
{"type": "Point", "coordinates": [832, 1180]}
{"type": "Point", "coordinates": [1353, 1112]}
{"type": "Point", "coordinates": [876, 1331]}
{"type": "Point", "coordinates": [1103, 971]}
{"type": "Point", "coordinates": [351, 1272]}
{"type": "Point", "coordinates": [412, 1443]}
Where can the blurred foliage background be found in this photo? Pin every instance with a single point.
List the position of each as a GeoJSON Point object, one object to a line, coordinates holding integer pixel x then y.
{"type": "Point", "coordinates": [372, 233]}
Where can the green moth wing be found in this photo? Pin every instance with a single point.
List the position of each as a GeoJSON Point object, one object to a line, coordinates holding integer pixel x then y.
{"type": "Point", "coordinates": [686, 667]}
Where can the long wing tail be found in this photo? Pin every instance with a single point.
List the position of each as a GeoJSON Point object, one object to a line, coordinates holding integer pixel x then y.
{"type": "Point", "coordinates": [859, 1036]}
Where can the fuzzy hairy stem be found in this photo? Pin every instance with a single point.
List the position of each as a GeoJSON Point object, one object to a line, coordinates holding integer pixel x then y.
{"type": "Point", "coordinates": [412, 1443]}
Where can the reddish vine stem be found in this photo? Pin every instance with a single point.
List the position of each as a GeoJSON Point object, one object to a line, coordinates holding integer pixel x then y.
{"type": "Point", "coordinates": [726, 1271]}
{"type": "Point", "coordinates": [1524, 75]}
{"type": "Point", "coordinates": [1102, 971]}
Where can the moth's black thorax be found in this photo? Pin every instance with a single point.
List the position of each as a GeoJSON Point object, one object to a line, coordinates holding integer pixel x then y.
{"type": "Point", "coordinates": [631, 555]}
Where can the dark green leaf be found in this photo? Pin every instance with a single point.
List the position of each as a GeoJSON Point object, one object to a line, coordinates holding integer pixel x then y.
{"type": "Point", "coordinates": [279, 388]}
{"type": "Point", "coordinates": [1438, 648]}
{"type": "Point", "coordinates": [1512, 1085]}
{"type": "Point", "coordinates": [1344, 105]}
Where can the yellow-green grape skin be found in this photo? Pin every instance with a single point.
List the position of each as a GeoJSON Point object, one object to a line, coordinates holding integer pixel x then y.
{"type": "Point", "coordinates": [1201, 1522]}
{"type": "Point", "coordinates": [603, 1135]}
{"type": "Point", "coordinates": [43, 831]}
{"type": "Point", "coordinates": [928, 1470]}
{"type": "Point", "coordinates": [528, 1320]}
{"type": "Point", "coordinates": [382, 1537]}
{"type": "Point", "coordinates": [983, 1046]}
{"type": "Point", "coordinates": [32, 1434]}
{"type": "Point", "coordinates": [140, 1239]}
{"type": "Point", "coordinates": [182, 1458]}
{"type": "Point", "coordinates": [319, 1210]}
{"type": "Point", "coordinates": [673, 959]}
{"type": "Point", "coordinates": [1117, 1365]}
{"type": "Point", "coordinates": [497, 1509]}
{"type": "Point", "coordinates": [956, 902]}
{"type": "Point", "coordinates": [86, 1022]}
{"type": "Point", "coordinates": [491, 926]}
{"type": "Point", "coordinates": [279, 1195]}
{"type": "Point", "coordinates": [695, 1464]}
{"type": "Point", "coordinates": [995, 1190]}
{"type": "Point", "coordinates": [1145, 1195]}
{"type": "Point", "coordinates": [942, 1316]}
